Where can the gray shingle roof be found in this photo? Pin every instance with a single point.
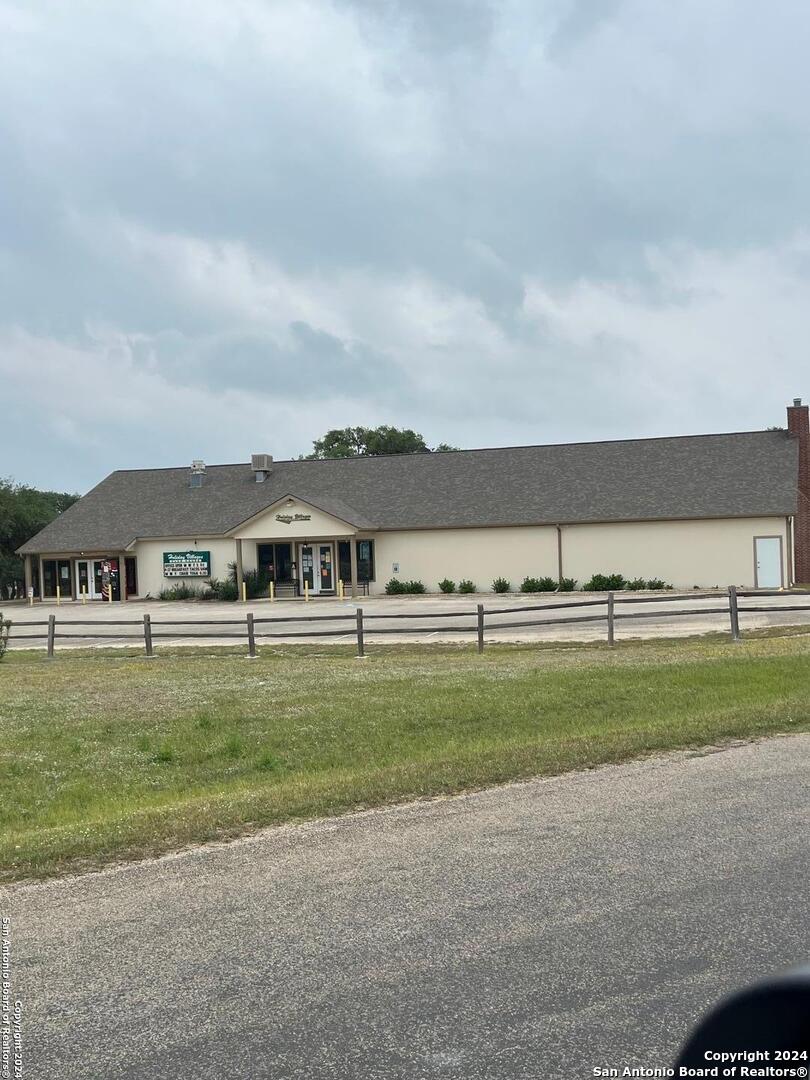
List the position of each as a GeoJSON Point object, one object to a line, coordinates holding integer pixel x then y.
{"type": "Point", "coordinates": [699, 476]}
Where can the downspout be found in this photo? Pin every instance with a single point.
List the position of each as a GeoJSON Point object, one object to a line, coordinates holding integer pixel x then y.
{"type": "Point", "coordinates": [791, 570]}
{"type": "Point", "coordinates": [559, 555]}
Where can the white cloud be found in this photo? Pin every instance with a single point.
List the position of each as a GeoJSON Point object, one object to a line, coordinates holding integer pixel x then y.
{"type": "Point", "coordinates": [245, 223]}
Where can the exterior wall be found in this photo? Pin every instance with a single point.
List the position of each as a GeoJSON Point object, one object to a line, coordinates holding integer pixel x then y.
{"type": "Point", "coordinates": [477, 554]}
{"type": "Point", "coordinates": [798, 417]}
{"type": "Point", "coordinates": [682, 553]}
{"type": "Point", "coordinates": [149, 554]}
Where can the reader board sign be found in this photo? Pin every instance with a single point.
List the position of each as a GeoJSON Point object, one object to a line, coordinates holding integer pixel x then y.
{"type": "Point", "coordinates": [187, 563]}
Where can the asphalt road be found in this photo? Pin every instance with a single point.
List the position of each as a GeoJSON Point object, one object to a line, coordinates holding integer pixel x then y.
{"type": "Point", "coordinates": [535, 930]}
{"type": "Point", "coordinates": [695, 617]}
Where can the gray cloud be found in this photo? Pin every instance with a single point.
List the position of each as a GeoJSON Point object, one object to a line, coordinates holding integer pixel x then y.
{"type": "Point", "coordinates": [493, 222]}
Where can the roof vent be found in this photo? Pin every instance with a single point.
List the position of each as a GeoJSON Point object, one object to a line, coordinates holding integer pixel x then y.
{"type": "Point", "coordinates": [262, 465]}
{"type": "Point", "coordinates": [197, 473]}
{"type": "Point", "coordinates": [797, 401]}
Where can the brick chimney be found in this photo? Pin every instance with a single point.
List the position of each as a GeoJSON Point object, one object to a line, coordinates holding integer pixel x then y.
{"type": "Point", "coordinates": [798, 420]}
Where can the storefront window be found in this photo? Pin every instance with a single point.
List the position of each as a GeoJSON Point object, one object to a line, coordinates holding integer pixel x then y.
{"type": "Point", "coordinates": [57, 572]}
{"type": "Point", "coordinates": [365, 560]}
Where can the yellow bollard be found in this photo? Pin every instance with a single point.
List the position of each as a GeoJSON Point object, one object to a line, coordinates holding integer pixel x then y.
{"type": "Point", "coordinates": [306, 590]}
{"type": "Point", "coordinates": [340, 588]}
{"type": "Point", "coordinates": [84, 595]}
{"type": "Point", "coordinates": [58, 596]}
{"type": "Point", "coordinates": [244, 592]}
{"type": "Point", "coordinates": [272, 590]}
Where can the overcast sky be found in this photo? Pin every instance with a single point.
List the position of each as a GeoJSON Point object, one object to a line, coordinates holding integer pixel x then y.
{"type": "Point", "coordinates": [230, 225]}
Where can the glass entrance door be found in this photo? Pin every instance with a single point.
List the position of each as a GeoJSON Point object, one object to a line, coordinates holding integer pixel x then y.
{"type": "Point", "coordinates": [307, 564]}
{"type": "Point", "coordinates": [317, 563]}
{"type": "Point", "coordinates": [84, 580]}
{"type": "Point", "coordinates": [326, 568]}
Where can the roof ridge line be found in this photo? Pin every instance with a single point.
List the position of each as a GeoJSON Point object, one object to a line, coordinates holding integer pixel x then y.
{"type": "Point", "coordinates": [468, 450]}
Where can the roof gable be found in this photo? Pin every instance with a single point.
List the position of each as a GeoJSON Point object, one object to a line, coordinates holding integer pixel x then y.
{"type": "Point", "coordinates": [294, 516]}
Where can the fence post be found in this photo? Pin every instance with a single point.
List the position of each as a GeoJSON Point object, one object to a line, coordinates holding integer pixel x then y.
{"type": "Point", "coordinates": [147, 634]}
{"type": "Point", "coordinates": [480, 627]}
{"type": "Point", "coordinates": [51, 633]}
{"type": "Point", "coordinates": [251, 635]}
{"type": "Point", "coordinates": [610, 619]}
{"type": "Point", "coordinates": [361, 652]}
{"type": "Point", "coordinates": [733, 613]}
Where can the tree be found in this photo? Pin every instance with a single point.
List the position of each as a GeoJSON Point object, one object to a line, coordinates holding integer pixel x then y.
{"type": "Point", "coordinates": [362, 441]}
{"type": "Point", "coordinates": [23, 512]}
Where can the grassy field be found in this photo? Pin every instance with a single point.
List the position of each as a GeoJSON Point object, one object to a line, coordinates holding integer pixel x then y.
{"type": "Point", "coordinates": [104, 758]}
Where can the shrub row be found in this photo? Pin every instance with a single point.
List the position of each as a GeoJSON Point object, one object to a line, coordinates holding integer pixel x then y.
{"type": "Point", "coordinates": [464, 586]}
{"type": "Point", "coordinates": [395, 587]}
{"type": "Point", "coordinates": [618, 582]}
{"type": "Point", "coordinates": [257, 584]}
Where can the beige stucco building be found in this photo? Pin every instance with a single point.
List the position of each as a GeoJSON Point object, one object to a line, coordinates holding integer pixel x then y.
{"type": "Point", "coordinates": [692, 511]}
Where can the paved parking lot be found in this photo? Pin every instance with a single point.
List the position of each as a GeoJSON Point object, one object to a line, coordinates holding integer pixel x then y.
{"type": "Point", "coordinates": [435, 618]}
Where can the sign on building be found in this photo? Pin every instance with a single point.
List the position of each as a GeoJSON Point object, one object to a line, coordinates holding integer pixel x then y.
{"type": "Point", "coordinates": [187, 563]}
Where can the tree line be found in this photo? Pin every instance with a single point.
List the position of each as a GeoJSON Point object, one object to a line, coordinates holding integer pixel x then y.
{"type": "Point", "coordinates": [371, 442]}
{"type": "Point", "coordinates": [24, 511]}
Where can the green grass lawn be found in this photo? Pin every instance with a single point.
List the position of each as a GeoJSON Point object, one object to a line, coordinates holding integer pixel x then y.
{"type": "Point", "coordinates": [104, 758]}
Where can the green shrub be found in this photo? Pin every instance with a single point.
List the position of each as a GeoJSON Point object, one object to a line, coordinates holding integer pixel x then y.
{"type": "Point", "coordinates": [227, 590]}
{"type": "Point", "coordinates": [466, 586]}
{"type": "Point", "coordinates": [657, 583]}
{"type": "Point", "coordinates": [257, 583]}
{"type": "Point", "coordinates": [543, 584]}
{"type": "Point", "coordinates": [447, 586]}
{"type": "Point", "coordinates": [635, 584]}
{"type": "Point", "coordinates": [604, 583]}
{"type": "Point", "coordinates": [501, 585]}
{"type": "Point", "coordinates": [5, 626]}
{"type": "Point", "coordinates": [395, 587]}
{"type": "Point", "coordinates": [180, 591]}
{"type": "Point", "coordinates": [568, 584]}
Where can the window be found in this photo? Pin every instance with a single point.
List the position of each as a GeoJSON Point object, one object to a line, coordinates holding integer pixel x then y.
{"type": "Point", "coordinates": [57, 572]}
{"type": "Point", "coordinates": [365, 560]}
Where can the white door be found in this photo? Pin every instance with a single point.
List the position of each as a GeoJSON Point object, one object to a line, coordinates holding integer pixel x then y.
{"type": "Point", "coordinates": [768, 559]}
{"type": "Point", "coordinates": [84, 579]}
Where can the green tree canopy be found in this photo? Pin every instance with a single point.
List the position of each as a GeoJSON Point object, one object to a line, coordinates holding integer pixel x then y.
{"type": "Point", "coordinates": [354, 441]}
{"type": "Point", "coordinates": [23, 512]}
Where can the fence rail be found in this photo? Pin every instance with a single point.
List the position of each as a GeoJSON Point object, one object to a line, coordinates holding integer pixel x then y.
{"type": "Point", "coordinates": [254, 628]}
